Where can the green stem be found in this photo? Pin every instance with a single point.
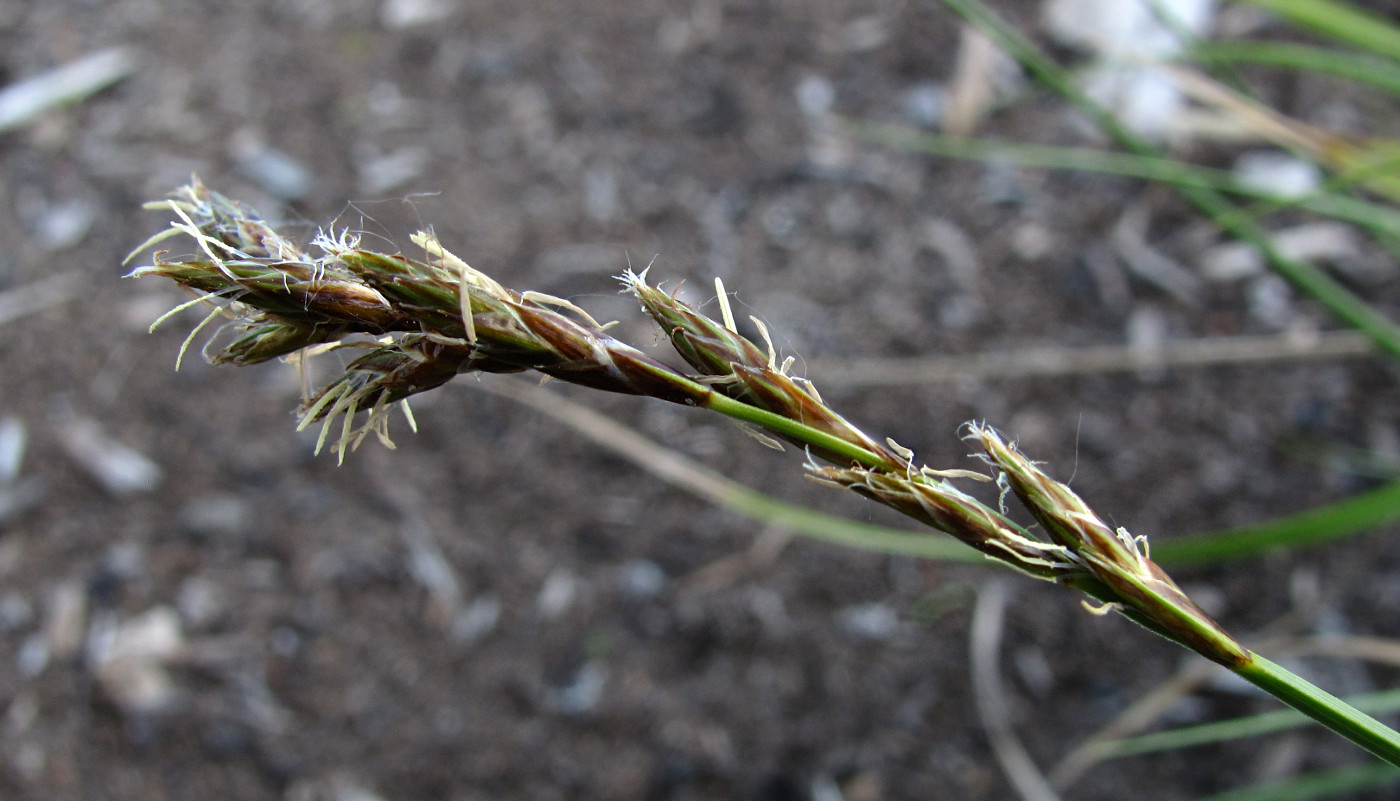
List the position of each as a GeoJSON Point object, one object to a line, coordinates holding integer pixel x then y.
{"type": "Point", "coordinates": [699, 394]}
{"type": "Point", "coordinates": [1322, 706]}
{"type": "Point", "coordinates": [777, 423]}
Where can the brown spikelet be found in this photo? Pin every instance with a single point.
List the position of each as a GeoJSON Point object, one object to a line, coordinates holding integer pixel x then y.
{"type": "Point", "coordinates": [1113, 556]}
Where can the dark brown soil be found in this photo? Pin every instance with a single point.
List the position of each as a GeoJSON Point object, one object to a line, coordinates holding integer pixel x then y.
{"type": "Point", "coordinates": [587, 653]}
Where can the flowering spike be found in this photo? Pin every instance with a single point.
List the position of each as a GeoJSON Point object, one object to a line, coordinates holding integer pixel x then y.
{"type": "Point", "coordinates": [419, 323]}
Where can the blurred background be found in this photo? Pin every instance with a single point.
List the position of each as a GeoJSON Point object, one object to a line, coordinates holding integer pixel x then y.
{"type": "Point", "coordinates": [194, 606]}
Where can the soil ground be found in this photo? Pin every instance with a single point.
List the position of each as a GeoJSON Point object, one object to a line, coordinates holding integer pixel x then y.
{"type": "Point", "coordinates": [499, 609]}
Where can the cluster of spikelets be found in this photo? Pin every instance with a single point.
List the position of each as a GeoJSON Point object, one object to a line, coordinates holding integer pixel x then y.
{"type": "Point", "coordinates": [415, 323]}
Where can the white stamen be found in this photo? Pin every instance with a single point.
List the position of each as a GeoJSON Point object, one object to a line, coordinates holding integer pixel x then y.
{"type": "Point", "coordinates": [1003, 484]}
{"type": "Point", "coordinates": [346, 428]}
{"type": "Point", "coordinates": [768, 340]}
{"type": "Point", "coordinates": [297, 359]}
{"type": "Point", "coordinates": [180, 356]}
{"type": "Point", "coordinates": [331, 394]}
{"type": "Point", "coordinates": [906, 454]}
{"type": "Point", "coordinates": [726, 313]}
{"type": "Point", "coordinates": [550, 300]}
{"type": "Point", "coordinates": [152, 241]}
{"type": "Point", "coordinates": [187, 304]}
{"type": "Point", "coordinates": [381, 432]}
{"type": "Point", "coordinates": [465, 277]}
{"type": "Point", "coordinates": [321, 440]}
{"type": "Point", "coordinates": [763, 438]}
{"type": "Point", "coordinates": [1100, 611]}
{"type": "Point", "coordinates": [376, 418]}
{"type": "Point", "coordinates": [206, 242]}
{"type": "Point", "coordinates": [954, 472]}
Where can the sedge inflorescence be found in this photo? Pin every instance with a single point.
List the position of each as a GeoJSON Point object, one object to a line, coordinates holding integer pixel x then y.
{"type": "Point", "coordinates": [414, 323]}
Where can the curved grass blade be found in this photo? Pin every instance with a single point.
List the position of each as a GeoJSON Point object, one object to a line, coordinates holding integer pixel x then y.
{"type": "Point", "coordinates": [1353, 67]}
{"type": "Point", "coordinates": [1322, 784]}
{"type": "Point", "coordinates": [1343, 22]}
{"type": "Point", "coordinates": [1374, 216]}
{"type": "Point", "coordinates": [1334, 521]}
{"type": "Point", "coordinates": [1377, 703]}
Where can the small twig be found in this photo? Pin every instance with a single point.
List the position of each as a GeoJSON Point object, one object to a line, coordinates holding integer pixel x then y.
{"type": "Point", "coordinates": [729, 570]}
{"type": "Point", "coordinates": [987, 617]}
{"type": "Point", "coordinates": [1137, 717]}
{"type": "Point", "coordinates": [38, 296]}
{"type": "Point", "coordinates": [1369, 649]}
{"type": "Point", "coordinates": [24, 100]}
{"type": "Point", "coordinates": [1058, 361]}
